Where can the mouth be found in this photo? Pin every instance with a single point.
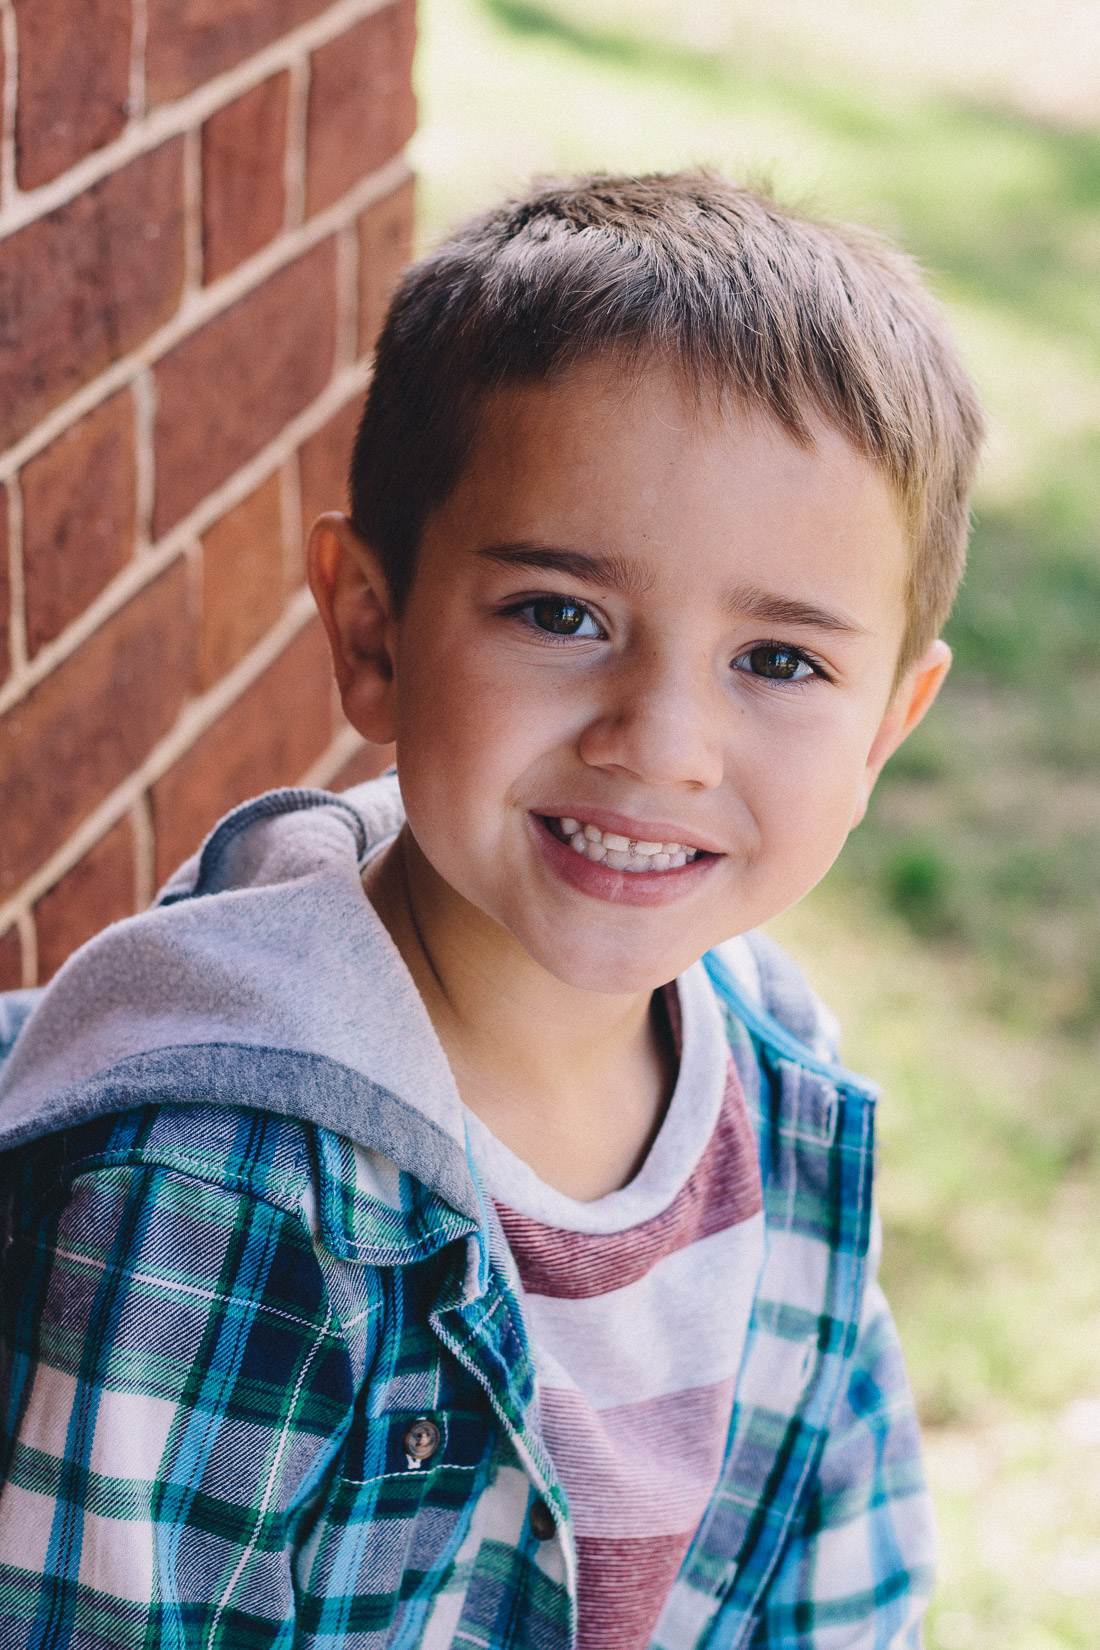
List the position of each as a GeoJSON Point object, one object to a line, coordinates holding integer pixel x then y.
{"type": "Point", "coordinates": [610, 865]}
{"type": "Point", "coordinates": [616, 852]}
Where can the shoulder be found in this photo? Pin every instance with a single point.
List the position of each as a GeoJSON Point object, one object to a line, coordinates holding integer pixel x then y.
{"type": "Point", "coordinates": [240, 1152]}
{"type": "Point", "coordinates": [772, 982]}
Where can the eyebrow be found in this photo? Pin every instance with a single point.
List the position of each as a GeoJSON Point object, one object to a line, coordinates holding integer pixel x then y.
{"type": "Point", "coordinates": [747, 601]}
{"type": "Point", "coordinates": [613, 572]}
{"type": "Point", "coordinates": [617, 573]}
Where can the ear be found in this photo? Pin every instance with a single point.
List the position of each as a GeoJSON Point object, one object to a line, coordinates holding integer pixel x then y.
{"type": "Point", "coordinates": [352, 594]}
{"type": "Point", "coordinates": [912, 697]}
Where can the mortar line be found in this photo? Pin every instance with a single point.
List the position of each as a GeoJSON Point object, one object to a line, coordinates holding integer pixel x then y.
{"type": "Point", "coordinates": [343, 747]}
{"type": "Point", "coordinates": [142, 570]}
{"type": "Point", "coordinates": [28, 945]}
{"type": "Point", "coordinates": [192, 215]}
{"type": "Point", "coordinates": [141, 828]}
{"type": "Point", "coordinates": [139, 37]}
{"type": "Point", "coordinates": [17, 583]}
{"type": "Point", "coordinates": [192, 722]}
{"type": "Point", "coordinates": [172, 119]}
{"type": "Point", "coordinates": [347, 294]}
{"type": "Point", "coordinates": [203, 306]}
{"type": "Point", "coordinates": [10, 40]}
{"type": "Point", "coordinates": [144, 391]}
{"type": "Point", "coordinates": [290, 521]}
{"type": "Point", "coordinates": [294, 154]}
{"type": "Point", "coordinates": [194, 572]}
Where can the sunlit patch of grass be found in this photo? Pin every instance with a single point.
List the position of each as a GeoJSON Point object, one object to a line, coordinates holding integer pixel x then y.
{"type": "Point", "coordinates": [990, 1193]}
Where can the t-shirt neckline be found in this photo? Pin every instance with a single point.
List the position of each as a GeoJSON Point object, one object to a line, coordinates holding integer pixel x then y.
{"type": "Point", "coordinates": [680, 1142]}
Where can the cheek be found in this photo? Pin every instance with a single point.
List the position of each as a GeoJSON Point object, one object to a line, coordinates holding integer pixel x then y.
{"type": "Point", "coordinates": [469, 730]}
{"type": "Point", "coordinates": [807, 785]}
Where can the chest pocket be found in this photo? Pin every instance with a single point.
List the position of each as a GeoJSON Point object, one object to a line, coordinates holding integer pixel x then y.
{"type": "Point", "coordinates": [405, 1489]}
{"type": "Point", "coordinates": [420, 1442]}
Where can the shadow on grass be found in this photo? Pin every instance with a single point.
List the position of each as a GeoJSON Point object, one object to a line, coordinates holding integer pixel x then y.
{"type": "Point", "coordinates": [1015, 223]}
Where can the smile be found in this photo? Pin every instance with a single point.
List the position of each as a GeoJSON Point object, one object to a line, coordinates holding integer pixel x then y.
{"type": "Point", "coordinates": [621, 853]}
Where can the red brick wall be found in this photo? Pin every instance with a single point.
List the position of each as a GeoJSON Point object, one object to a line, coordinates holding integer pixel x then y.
{"type": "Point", "coordinates": [202, 206]}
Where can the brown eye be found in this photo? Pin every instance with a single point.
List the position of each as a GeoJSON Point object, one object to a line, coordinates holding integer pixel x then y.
{"type": "Point", "coordinates": [562, 617]}
{"type": "Point", "coordinates": [775, 663]}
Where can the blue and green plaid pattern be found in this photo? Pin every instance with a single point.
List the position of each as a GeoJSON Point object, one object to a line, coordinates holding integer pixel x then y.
{"type": "Point", "coordinates": [218, 1326]}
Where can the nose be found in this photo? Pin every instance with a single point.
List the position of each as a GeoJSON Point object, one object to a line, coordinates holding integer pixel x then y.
{"type": "Point", "coordinates": [660, 721]}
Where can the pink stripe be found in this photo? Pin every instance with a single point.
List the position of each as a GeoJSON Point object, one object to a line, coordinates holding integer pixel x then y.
{"type": "Point", "coordinates": [723, 1190]}
{"type": "Point", "coordinates": [643, 1469]}
{"type": "Point", "coordinates": [622, 1587]}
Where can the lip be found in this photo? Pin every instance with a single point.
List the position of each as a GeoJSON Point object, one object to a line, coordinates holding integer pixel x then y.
{"type": "Point", "coordinates": [637, 830]}
{"type": "Point", "coordinates": [648, 888]}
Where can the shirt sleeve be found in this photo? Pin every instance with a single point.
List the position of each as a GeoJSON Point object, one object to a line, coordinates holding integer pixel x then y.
{"type": "Point", "coordinates": [176, 1392]}
{"type": "Point", "coordinates": [858, 1571]}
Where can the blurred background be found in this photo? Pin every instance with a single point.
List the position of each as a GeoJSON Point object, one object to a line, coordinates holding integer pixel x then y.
{"type": "Point", "coordinates": [202, 208]}
{"type": "Point", "coordinates": [959, 935]}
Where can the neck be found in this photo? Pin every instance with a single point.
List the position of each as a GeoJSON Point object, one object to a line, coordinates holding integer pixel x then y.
{"type": "Point", "coordinates": [574, 1082]}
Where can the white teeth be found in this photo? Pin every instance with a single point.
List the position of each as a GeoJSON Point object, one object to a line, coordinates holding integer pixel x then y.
{"type": "Point", "coordinates": [620, 852]}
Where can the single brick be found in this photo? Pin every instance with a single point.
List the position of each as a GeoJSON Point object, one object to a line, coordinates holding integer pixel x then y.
{"type": "Point", "coordinates": [81, 286]}
{"type": "Point", "coordinates": [92, 721]}
{"type": "Point", "coordinates": [323, 464]}
{"type": "Point", "coordinates": [367, 763]}
{"type": "Point", "coordinates": [191, 40]}
{"type": "Point", "coordinates": [78, 516]}
{"type": "Point", "coordinates": [361, 104]}
{"type": "Point", "coordinates": [98, 890]}
{"type": "Point", "coordinates": [385, 247]}
{"type": "Point", "coordinates": [230, 388]}
{"type": "Point", "coordinates": [5, 589]}
{"type": "Point", "coordinates": [243, 585]}
{"type": "Point", "coordinates": [74, 79]}
{"type": "Point", "coordinates": [11, 960]}
{"type": "Point", "coordinates": [269, 737]}
{"type": "Point", "coordinates": [242, 176]}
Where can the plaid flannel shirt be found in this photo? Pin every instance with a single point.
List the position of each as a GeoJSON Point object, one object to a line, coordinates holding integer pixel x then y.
{"type": "Point", "coordinates": [219, 1325]}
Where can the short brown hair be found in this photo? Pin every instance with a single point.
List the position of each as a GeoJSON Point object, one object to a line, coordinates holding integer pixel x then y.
{"type": "Point", "coordinates": [743, 294]}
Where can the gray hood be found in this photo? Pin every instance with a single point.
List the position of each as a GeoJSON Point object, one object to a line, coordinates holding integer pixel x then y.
{"type": "Point", "coordinates": [262, 977]}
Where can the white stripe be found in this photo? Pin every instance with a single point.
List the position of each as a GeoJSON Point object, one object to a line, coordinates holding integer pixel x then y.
{"type": "Point", "coordinates": [797, 1270]}
{"type": "Point", "coordinates": [682, 1325]}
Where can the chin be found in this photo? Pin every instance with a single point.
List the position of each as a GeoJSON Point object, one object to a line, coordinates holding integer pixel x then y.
{"type": "Point", "coordinates": [612, 970]}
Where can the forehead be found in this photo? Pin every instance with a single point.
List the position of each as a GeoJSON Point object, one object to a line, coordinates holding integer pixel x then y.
{"type": "Point", "coordinates": [637, 464]}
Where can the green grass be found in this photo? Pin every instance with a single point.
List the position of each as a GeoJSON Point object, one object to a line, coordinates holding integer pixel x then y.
{"type": "Point", "coordinates": [959, 935]}
{"type": "Point", "coordinates": [989, 1189]}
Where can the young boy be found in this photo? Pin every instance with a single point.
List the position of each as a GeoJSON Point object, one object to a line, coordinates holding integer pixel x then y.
{"type": "Point", "coordinates": [410, 1240]}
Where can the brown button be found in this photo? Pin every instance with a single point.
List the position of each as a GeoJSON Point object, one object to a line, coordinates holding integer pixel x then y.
{"type": "Point", "coordinates": [421, 1441]}
{"type": "Point", "coordinates": [542, 1521]}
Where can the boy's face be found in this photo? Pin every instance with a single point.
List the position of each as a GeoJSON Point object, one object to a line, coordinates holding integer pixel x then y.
{"type": "Point", "coordinates": [668, 623]}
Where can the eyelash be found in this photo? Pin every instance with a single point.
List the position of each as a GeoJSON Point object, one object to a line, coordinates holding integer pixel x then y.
{"type": "Point", "coordinates": [817, 669]}
{"type": "Point", "coordinates": [519, 609]}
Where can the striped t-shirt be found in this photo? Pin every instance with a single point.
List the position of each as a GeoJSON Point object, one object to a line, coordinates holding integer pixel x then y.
{"type": "Point", "coordinates": [637, 1306]}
